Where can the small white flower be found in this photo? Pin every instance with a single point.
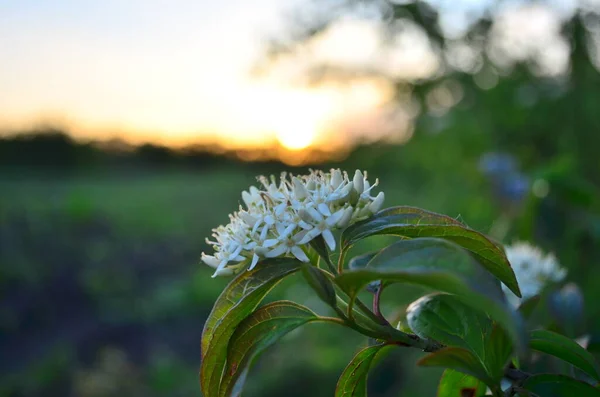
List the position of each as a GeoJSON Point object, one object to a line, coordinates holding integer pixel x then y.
{"type": "Point", "coordinates": [286, 243]}
{"type": "Point", "coordinates": [252, 198]}
{"type": "Point", "coordinates": [284, 215]}
{"type": "Point", "coordinates": [323, 221]}
{"type": "Point", "coordinates": [258, 246]}
{"type": "Point", "coordinates": [300, 190]}
{"type": "Point", "coordinates": [533, 270]}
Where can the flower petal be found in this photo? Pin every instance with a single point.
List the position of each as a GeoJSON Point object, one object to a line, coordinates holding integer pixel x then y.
{"type": "Point", "coordinates": [210, 260]}
{"type": "Point", "coordinates": [299, 254]}
{"type": "Point", "coordinates": [263, 233]}
{"type": "Point", "coordinates": [254, 262]}
{"type": "Point", "coordinates": [299, 236]}
{"type": "Point", "coordinates": [324, 209]}
{"type": "Point", "coordinates": [222, 272]}
{"type": "Point", "coordinates": [237, 251]}
{"type": "Point", "coordinates": [270, 243]}
{"type": "Point", "coordinates": [305, 225]}
{"type": "Point", "coordinates": [257, 225]}
{"type": "Point", "coordinates": [329, 239]}
{"type": "Point", "coordinates": [316, 215]}
{"type": "Point", "coordinates": [287, 231]}
{"type": "Point", "coordinates": [303, 214]}
{"type": "Point", "coordinates": [335, 218]}
{"type": "Point", "coordinates": [277, 252]}
{"type": "Point", "coordinates": [220, 269]}
{"type": "Point", "coordinates": [311, 234]}
{"type": "Point", "coordinates": [280, 209]}
{"type": "Point", "coordinates": [280, 227]}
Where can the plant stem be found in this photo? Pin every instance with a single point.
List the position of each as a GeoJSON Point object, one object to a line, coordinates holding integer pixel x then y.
{"type": "Point", "coordinates": [377, 304]}
{"type": "Point", "coordinates": [393, 336]}
{"type": "Point", "coordinates": [340, 264]}
{"type": "Point", "coordinates": [369, 313]}
{"type": "Point", "coordinates": [384, 331]}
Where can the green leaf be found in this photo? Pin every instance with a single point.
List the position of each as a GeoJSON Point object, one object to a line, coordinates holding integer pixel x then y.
{"type": "Point", "coordinates": [458, 359]}
{"type": "Point", "coordinates": [446, 319]}
{"type": "Point", "coordinates": [418, 213]}
{"type": "Point", "coordinates": [498, 351]}
{"type": "Point", "coordinates": [410, 222]}
{"type": "Point", "coordinates": [361, 261]}
{"type": "Point", "coordinates": [551, 385]}
{"type": "Point", "coordinates": [441, 265]}
{"type": "Point", "coordinates": [320, 283]}
{"type": "Point", "coordinates": [255, 334]}
{"type": "Point", "coordinates": [353, 381]}
{"type": "Point", "coordinates": [457, 384]}
{"type": "Point", "coordinates": [527, 306]}
{"type": "Point", "coordinates": [236, 302]}
{"type": "Point", "coordinates": [566, 349]}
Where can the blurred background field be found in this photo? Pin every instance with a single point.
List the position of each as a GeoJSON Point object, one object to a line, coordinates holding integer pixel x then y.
{"type": "Point", "coordinates": [101, 228]}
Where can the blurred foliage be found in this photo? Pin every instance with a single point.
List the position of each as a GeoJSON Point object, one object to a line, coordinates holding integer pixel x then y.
{"type": "Point", "coordinates": [102, 293]}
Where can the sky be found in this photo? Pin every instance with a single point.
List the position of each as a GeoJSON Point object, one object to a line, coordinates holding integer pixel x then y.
{"type": "Point", "coordinates": [171, 72]}
{"type": "Point", "coordinates": [180, 71]}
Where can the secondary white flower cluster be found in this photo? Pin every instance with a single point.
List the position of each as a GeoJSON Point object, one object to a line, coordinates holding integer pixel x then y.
{"type": "Point", "coordinates": [281, 218]}
{"type": "Point", "coordinates": [533, 270]}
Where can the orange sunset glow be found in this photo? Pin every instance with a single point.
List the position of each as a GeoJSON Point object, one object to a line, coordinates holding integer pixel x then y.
{"type": "Point", "coordinates": [171, 75]}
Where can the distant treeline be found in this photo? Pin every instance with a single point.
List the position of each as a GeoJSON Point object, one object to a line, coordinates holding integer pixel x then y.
{"type": "Point", "coordinates": [53, 149]}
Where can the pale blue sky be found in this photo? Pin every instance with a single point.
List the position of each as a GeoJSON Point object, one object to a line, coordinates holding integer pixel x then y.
{"type": "Point", "coordinates": [150, 65]}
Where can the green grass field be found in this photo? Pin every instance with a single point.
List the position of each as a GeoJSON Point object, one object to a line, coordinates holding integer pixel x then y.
{"type": "Point", "coordinates": [130, 244]}
{"type": "Point", "coordinates": [104, 289]}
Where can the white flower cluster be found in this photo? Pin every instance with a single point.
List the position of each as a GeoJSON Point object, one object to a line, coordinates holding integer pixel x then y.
{"type": "Point", "coordinates": [533, 270]}
{"type": "Point", "coordinates": [283, 217]}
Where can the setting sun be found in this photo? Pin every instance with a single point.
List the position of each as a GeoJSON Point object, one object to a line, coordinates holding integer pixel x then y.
{"type": "Point", "coordinates": [297, 136]}
{"type": "Point", "coordinates": [297, 117]}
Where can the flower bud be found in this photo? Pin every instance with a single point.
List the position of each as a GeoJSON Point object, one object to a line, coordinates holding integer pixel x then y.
{"type": "Point", "coordinates": [346, 218]}
{"type": "Point", "coordinates": [247, 198]}
{"type": "Point", "coordinates": [249, 219]}
{"type": "Point", "coordinates": [300, 191]}
{"type": "Point", "coordinates": [336, 178]}
{"type": "Point", "coordinates": [305, 216]}
{"type": "Point", "coordinates": [359, 182]}
{"type": "Point", "coordinates": [376, 205]}
{"type": "Point", "coordinates": [566, 306]}
{"type": "Point", "coordinates": [210, 260]}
